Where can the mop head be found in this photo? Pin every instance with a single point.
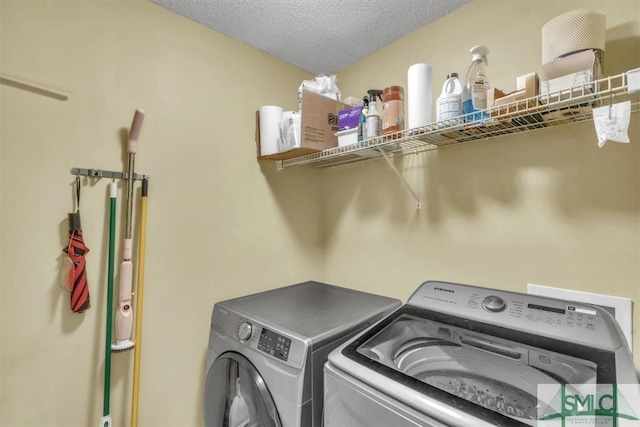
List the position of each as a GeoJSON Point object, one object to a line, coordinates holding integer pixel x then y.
{"type": "Point", "coordinates": [122, 345]}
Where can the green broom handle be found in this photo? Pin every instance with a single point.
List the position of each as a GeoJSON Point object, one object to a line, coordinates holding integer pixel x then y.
{"type": "Point", "coordinates": [110, 269]}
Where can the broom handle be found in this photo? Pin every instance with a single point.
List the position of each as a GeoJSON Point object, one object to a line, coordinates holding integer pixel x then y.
{"type": "Point", "coordinates": [139, 303]}
{"type": "Point", "coordinates": [132, 148]}
{"type": "Point", "coordinates": [106, 411]}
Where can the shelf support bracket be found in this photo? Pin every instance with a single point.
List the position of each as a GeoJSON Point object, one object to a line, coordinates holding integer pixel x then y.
{"type": "Point", "coordinates": [413, 193]}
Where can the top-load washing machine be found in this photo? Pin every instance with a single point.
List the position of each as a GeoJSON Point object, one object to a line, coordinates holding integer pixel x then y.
{"type": "Point", "coordinates": [267, 352]}
{"type": "Point", "coordinates": [466, 356]}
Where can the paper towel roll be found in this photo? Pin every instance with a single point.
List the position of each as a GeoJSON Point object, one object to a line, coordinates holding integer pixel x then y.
{"type": "Point", "coordinates": [270, 118]}
{"type": "Point", "coordinates": [418, 95]}
{"type": "Point", "coordinates": [572, 32]}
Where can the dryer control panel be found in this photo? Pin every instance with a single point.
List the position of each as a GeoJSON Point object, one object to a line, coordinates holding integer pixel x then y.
{"type": "Point", "coordinates": [266, 340]}
{"type": "Point", "coordinates": [274, 344]}
{"type": "Point", "coordinates": [550, 317]}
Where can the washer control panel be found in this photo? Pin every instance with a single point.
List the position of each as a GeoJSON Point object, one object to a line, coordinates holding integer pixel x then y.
{"type": "Point", "coordinates": [530, 313]}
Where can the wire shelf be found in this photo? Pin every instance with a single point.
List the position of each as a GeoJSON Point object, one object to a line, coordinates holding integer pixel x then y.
{"type": "Point", "coordinates": [573, 105]}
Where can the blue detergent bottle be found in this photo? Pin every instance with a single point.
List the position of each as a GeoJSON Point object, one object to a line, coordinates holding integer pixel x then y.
{"type": "Point", "coordinates": [474, 92]}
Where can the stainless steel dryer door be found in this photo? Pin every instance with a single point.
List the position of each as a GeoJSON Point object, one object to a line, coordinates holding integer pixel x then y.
{"type": "Point", "coordinates": [236, 395]}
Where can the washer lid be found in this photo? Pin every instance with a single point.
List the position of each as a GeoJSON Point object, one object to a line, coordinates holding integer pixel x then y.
{"type": "Point", "coordinates": [485, 371]}
{"type": "Point", "coordinates": [235, 395]}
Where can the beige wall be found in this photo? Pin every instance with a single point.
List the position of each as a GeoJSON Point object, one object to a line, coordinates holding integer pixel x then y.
{"type": "Point", "coordinates": [220, 224]}
{"type": "Point", "coordinates": [547, 207]}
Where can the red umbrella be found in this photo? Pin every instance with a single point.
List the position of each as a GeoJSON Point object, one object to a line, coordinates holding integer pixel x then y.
{"type": "Point", "coordinates": [76, 251]}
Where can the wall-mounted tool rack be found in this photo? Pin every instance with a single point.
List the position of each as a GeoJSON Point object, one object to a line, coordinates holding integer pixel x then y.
{"type": "Point", "coordinates": [99, 173]}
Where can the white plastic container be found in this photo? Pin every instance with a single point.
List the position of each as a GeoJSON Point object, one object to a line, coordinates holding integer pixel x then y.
{"type": "Point", "coordinates": [474, 92]}
{"type": "Point", "coordinates": [347, 137]}
{"type": "Point", "coordinates": [449, 103]}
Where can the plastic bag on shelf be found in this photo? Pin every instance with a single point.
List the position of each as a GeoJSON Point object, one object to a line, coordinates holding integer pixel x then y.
{"type": "Point", "coordinates": [290, 130]}
{"type": "Point", "coordinates": [320, 84]}
{"type": "Point", "coordinates": [612, 122]}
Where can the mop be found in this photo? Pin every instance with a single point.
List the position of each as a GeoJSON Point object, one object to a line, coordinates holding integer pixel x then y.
{"type": "Point", "coordinates": [106, 415]}
{"type": "Point", "coordinates": [139, 303]}
{"type": "Point", "coordinates": [124, 315]}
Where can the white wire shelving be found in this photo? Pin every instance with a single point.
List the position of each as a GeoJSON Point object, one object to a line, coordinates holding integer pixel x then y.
{"type": "Point", "coordinates": [540, 112]}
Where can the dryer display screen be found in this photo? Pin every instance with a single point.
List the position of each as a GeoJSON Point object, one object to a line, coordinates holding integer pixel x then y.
{"type": "Point", "coordinates": [274, 344]}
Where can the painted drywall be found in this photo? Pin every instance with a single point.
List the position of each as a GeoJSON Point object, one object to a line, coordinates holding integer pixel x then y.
{"type": "Point", "coordinates": [547, 207]}
{"type": "Point", "coordinates": [220, 224]}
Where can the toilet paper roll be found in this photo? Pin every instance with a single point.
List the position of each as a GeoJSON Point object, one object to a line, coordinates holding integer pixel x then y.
{"type": "Point", "coordinates": [270, 118]}
{"type": "Point", "coordinates": [419, 95]}
{"type": "Point", "coordinates": [571, 32]}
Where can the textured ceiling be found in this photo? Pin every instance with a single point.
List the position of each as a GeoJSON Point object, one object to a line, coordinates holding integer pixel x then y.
{"type": "Point", "coordinates": [319, 36]}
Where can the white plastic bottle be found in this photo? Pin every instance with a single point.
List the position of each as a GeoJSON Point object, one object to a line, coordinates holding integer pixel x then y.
{"type": "Point", "coordinates": [449, 103]}
{"type": "Point", "coordinates": [474, 92]}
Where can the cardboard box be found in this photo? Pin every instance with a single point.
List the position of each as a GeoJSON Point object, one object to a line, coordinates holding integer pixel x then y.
{"type": "Point", "coordinates": [561, 88]}
{"type": "Point", "coordinates": [318, 128]}
{"type": "Point", "coordinates": [527, 86]}
{"type": "Point", "coordinates": [569, 74]}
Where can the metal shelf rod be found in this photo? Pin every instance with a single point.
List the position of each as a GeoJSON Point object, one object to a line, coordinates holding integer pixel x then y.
{"type": "Point", "coordinates": [404, 181]}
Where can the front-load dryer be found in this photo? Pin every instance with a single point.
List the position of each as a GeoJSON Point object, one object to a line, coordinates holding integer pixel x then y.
{"type": "Point", "coordinates": [267, 351]}
{"type": "Point", "coordinates": [466, 356]}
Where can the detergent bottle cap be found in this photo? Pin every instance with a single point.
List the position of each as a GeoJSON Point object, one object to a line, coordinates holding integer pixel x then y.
{"type": "Point", "coordinates": [479, 52]}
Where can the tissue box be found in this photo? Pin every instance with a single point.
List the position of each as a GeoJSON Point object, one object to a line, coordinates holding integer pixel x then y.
{"type": "Point", "coordinates": [349, 118]}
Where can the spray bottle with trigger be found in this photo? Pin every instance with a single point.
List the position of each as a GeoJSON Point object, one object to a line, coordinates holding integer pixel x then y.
{"type": "Point", "coordinates": [474, 92]}
{"type": "Point", "coordinates": [374, 121]}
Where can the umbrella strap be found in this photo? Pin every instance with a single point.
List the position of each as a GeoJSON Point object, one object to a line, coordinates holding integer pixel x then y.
{"type": "Point", "coordinates": [78, 186]}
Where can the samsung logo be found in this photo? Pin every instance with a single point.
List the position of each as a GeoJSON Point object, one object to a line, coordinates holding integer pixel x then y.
{"type": "Point", "coordinates": [443, 290]}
